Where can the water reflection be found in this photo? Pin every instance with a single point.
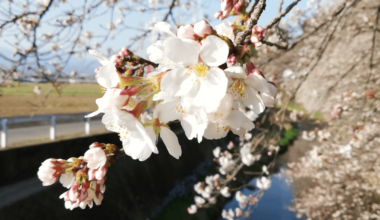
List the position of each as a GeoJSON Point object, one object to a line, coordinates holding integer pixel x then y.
{"type": "Point", "coordinates": [273, 204]}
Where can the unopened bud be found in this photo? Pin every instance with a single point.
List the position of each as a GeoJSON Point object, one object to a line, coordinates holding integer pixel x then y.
{"type": "Point", "coordinates": [187, 32]}
{"type": "Point", "coordinates": [129, 72]}
{"type": "Point", "coordinates": [140, 72]}
{"type": "Point", "coordinates": [203, 29]}
{"type": "Point", "coordinates": [125, 52]}
{"type": "Point", "coordinates": [218, 15]}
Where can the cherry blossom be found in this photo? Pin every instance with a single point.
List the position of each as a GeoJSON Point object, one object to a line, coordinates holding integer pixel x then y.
{"type": "Point", "coordinates": [49, 171]}
{"type": "Point", "coordinates": [138, 141]}
{"type": "Point", "coordinates": [192, 209]}
{"type": "Point", "coordinates": [95, 158]}
{"type": "Point", "coordinates": [228, 215]}
{"type": "Point", "coordinates": [225, 191]}
{"type": "Point", "coordinates": [242, 199]}
{"type": "Point", "coordinates": [249, 88]}
{"type": "Point", "coordinates": [263, 183]}
{"type": "Point", "coordinates": [67, 179]}
{"type": "Point", "coordinates": [108, 78]}
{"type": "Point", "coordinates": [216, 152]}
{"type": "Point", "coordinates": [225, 29]}
{"type": "Point", "coordinates": [199, 201]}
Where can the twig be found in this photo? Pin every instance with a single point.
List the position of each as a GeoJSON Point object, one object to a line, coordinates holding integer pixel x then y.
{"type": "Point", "coordinates": [252, 21]}
{"type": "Point", "coordinates": [280, 6]}
{"type": "Point", "coordinates": [373, 47]}
{"type": "Point", "coordinates": [275, 45]}
{"type": "Point", "coordinates": [282, 14]}
{"type": "Point", "coordinates": [15, 18]}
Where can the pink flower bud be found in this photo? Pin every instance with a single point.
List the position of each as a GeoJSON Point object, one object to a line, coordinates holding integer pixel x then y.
{"type": "Point", "coordinates": [125, 52]}
{"type": "Point", "coordinates": [238, 6]}
{"type": "Point", "coordinates": [230, 145]}
{"type": "Point", "coordinates": [65, 196]}
{"type": "Point", "coordinates": [272, 89]}
{"type": "Point", "coordinates": [218, 15]}
{"type": "Point", "coordinates": [101, 181]}
{"type": "Point", "coordinates": [101, 172]}
{"type": "Point", "coordinates": [85, 186]}
{"type": "Point", "coordinates": [98, 199]}
{"type": "Point", "coordinates": [203, 29]}
{"type": "Point", "coordinates": [254, 39]}
{"type": "Point", "coordinates": [238, 211]}
{"type": "Point", "coordinates": [187, 32]}
{"type": "Point", "coordinates": [83, 196]}
{"type": "Point", "coordinates": [97, 69]}
{"type": "Point", "coordinates": [227, 12]}
{"type": "Point", "coordinates": [226, 4]}
{"type": "Point", "coordinates": [91, 174]}
{"type": "Point", "coordinates": [231, 60]}
{"type": "Point", "coordinates": [96, 144]}
{"type": "Point", "coordinates": [258, 34]}
{"type": "Point", "coordinates": [250, 68]}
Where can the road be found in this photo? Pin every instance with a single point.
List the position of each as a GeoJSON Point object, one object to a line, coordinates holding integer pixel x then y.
{"type": "Point", "coordinates": [42, 131]}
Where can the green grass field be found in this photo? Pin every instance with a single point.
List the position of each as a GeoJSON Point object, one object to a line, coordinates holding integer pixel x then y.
{"type": "Point", "coordinates": [67, 89]}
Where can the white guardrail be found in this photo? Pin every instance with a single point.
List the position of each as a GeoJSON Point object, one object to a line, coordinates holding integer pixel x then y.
{"type": "Point", "coordinates": [41, 118]}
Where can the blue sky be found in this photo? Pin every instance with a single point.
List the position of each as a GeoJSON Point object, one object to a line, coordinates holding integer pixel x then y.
{"type": "Point", "coordinates": [137, 20]}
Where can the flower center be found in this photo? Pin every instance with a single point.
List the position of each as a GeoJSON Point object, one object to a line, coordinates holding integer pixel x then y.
{"type": "Point", "coordinates": [121, 130]}
{"type": "Point", "coordinates": [237, 90]}
{"type": "Point", "coordinates": [199, 69]}
{"type": "Point", "coordinates": [179, 110]}
{"type": "Point", "coordinates": [224, 128]}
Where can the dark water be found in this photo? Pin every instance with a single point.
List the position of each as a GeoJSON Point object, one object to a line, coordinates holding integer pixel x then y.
{"type": "Point", "coordinates": [273, 204]}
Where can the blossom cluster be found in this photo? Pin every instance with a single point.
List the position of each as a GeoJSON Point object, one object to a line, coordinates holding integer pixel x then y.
{"type": "Point", "coordinates": [230, 162]}
{"type": "Point", "coordinates": [193, 83]}
{"type": "Point", "coordinates": [84, 176]}
{"type": "Point", "coordinates": [343, 168]}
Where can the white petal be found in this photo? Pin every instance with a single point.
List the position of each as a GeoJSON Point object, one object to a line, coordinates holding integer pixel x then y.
{"type": "Point", "coordinates": [171, 142]}
{"type": "Point", "coordinates": [162, 96]}
{"type": "Point", "coordinates": [212, 132]}
{"type": "Point", "coordinates": [254, 101]}
{"type": "Point", "coordinates": [237, 119]}
{"type": "Point", "coordinates": [181, 51]}
{"type": "Point", "coordinates": [156, 52]}
{"type": "Point", "coordinates": [100, 57]}
{"type": "Point", "coordinates": [147, 138]}
{"type": "Point", "coordinates": [213, 88]}
{"type": "Point", "coordinates": [189, 125]}
{"type": "Point", "coordinates": [258, 83]}
{"type": "Point", "coordinates": [111, 98]}
{"type": "Point", "coordinates": [225, 29]}
{"type": "Point", "coordinates": [107, 76]}
{"type": "Point", "coordinates": [214, 51]}
{"type": "Point", "coordinates": [166, 111]}
{"type": "Point", "coordinates": [176, 82]}
{"type": "Point", "coordinates": [236, 72]}
{"type": "Point", "coordinates": [201, 130]}
{"type": "Point", "coordinates": [145, 154]}
{"type": "Point", "coordinates": [267, 99]}
{"type": "Point", "coordinates": [92, 114]}
{"type": "Point", "coordinates": [272, 90]}
{"type": "Point", "coordinates": [164, 29]}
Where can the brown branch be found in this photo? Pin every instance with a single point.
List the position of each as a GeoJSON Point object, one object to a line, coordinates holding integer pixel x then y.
{"type": "Point", "coordinates": [282, 14]}
{"type": "Point", "coordinates": [172, 4]}
{"type": "Point", "coordinates": [34, 46]}
{"type": "Point", "coordinates": [252, 21]}
{"type": "Point", "coordinates": [373, 47]}
{"type": "Point", "coordinates": [282, 47]}
{"type": "Point", "coordinates": [14, 19]}
{"type": "Point", "coordinates": [321, 51]}
{"type": "Point", "coordinates": [250, 10]}
{"type": "Point", "coordinates": [280, 6]}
